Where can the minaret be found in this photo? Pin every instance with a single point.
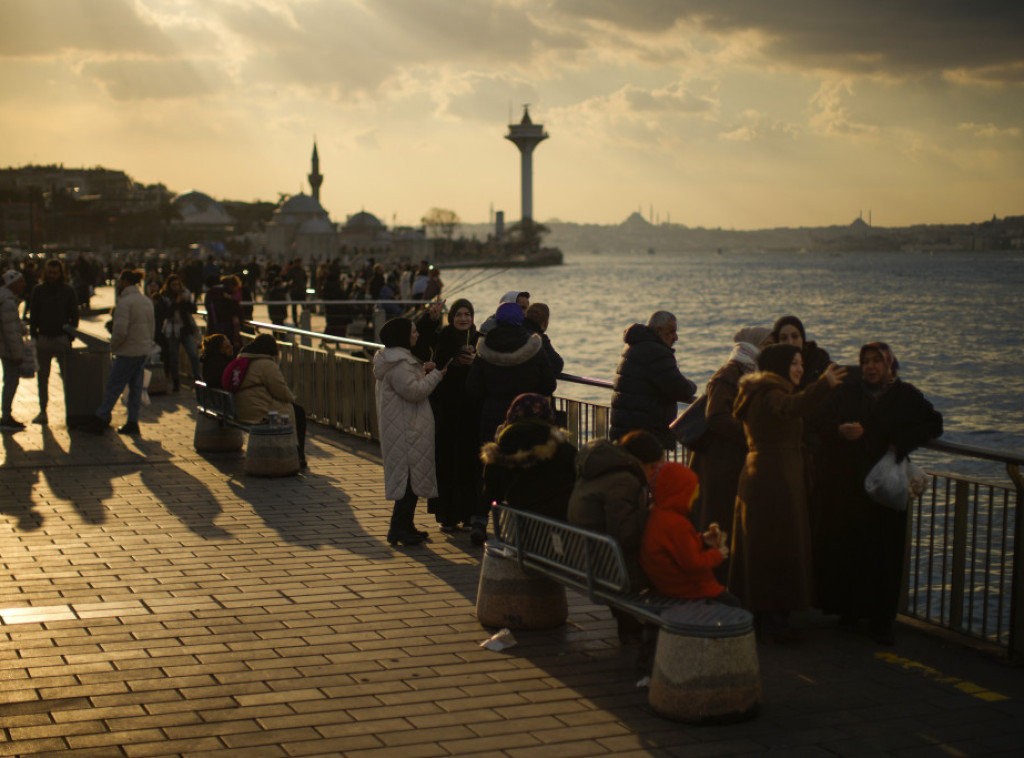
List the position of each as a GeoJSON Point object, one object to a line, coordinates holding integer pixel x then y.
{"type": "Point", "coordinates": [526, 135]}
{"type": "Point", "coordinates": [315, 177]}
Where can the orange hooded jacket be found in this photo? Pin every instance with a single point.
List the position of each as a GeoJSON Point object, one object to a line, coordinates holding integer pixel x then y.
{"type": "Point", "coordinates": [673, 554]}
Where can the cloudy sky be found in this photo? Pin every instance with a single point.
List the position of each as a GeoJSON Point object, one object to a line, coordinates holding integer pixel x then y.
{"type": "Point", "coordinates": [743, 114]}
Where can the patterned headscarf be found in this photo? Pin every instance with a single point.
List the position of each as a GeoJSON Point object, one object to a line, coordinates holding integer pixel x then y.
{"type": "Point", "coordinates": [530, 405]}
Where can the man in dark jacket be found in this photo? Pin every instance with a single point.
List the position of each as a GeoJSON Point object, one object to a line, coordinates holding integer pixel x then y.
{"type": "Point", "coordinates": [53, 317]}
{"type": "Point", "coordinates": [648, 383]}
{"type": "Point", "coordinates": [536, 321]}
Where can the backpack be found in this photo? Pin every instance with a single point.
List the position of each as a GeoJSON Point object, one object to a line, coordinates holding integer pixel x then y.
{"type": "Point", "coordinates": [234, 374]}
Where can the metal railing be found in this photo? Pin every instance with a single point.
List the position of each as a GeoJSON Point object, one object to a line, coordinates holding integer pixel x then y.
{"type": "Point", "coordinates": [961, 570]}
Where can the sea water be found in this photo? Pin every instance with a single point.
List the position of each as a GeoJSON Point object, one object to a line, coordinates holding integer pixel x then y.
{"type": "Point", "coordinates": [953, 320]}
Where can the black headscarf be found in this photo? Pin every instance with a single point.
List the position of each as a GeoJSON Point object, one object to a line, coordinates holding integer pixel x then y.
{"type": "Point", "coordinates": [777, 359]}
{"type": "Point", "coordinates": [397, 333]}
{"type": "Point", "coordinates": [789, 321]}
{"type": "Point", "coordinates": [265, 344]}
{"type": "Point", "coordinates": [451, 340]}
{"type": "Point", "coordinates": [460, 303]}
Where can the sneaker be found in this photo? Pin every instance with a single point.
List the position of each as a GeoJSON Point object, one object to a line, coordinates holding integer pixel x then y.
{"type": "Point", "coordinates": [41, 418]}
{"type": "Point", "coordinates": [10, 425]}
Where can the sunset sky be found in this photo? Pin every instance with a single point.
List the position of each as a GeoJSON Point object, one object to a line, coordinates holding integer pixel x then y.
{"type": "Point", "coordinates": [745, 114]}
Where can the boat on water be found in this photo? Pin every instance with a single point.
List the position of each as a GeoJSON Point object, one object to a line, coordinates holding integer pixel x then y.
{"type": "Point", "coordinates": [549, 256]}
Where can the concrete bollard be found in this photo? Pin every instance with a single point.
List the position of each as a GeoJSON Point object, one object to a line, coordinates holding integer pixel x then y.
{"type": "Point", "coordinates": [213, 436]}
{"type": "Point", "coordinates": [272, 451]}
{"type": "Point", "coordinates": [708, 675]}
{"type": "Point", "coordinates": [506, 597]}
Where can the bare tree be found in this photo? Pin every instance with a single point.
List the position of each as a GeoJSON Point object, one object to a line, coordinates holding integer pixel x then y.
{"type": "Point", "coordinates": [441, 222]}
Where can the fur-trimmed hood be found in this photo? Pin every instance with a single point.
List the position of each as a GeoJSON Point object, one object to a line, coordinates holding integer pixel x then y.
{"type": "Point", "coordinates": [753, 385]}
{"type": "Point", "coordinates": [508, 346]}
{"type": "Point", "coordinates": [524, 444]}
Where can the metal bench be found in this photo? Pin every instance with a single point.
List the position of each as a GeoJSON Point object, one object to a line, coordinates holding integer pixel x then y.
{"type": "Point", "coordinates": [705, 667]}
{"type": "Point", "coordinates": [271, 450]}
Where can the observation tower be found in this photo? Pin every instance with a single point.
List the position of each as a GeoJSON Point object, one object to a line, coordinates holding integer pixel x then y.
{"type": "Point", "coordinates": [526, 135]}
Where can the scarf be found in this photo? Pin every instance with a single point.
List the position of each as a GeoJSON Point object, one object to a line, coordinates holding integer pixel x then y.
{"type": "Point", "coordinates": [745, 354]}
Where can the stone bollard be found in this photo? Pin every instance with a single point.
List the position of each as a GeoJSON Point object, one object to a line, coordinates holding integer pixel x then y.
{"type": "Point", "coordinates": [213, 436]}
{"type": "Point", "coordinates": [506, 597]}
{"type": "Point", "coordinates": [706, 667]}
{"type": "Point", "coordinates": [272, 450]}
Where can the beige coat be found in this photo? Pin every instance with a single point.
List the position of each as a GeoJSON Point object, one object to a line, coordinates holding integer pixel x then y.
{"type": "Point", "coordinates": [263, 390]}
{"type": "Point", "coordinates": [12, 329]}
{"type": "Point", "coordinates": [134, 325]}
{"type": "Point", "coordinates": [406, 422]}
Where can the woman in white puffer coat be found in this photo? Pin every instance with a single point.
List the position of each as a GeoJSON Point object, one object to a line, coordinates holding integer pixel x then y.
{"type": "Point", "coordinates": [404, 384]}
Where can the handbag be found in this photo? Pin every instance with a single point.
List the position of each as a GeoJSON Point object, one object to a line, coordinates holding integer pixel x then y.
{"type": "Point", "coordinates": [691, 426]}
{"type": "Point", "coordinates": [893, 484]}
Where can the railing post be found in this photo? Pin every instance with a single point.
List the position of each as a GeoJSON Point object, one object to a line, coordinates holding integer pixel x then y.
{"type": "Point", "coordinates": [958, 568]}
{"type": "Point", "coordinates": [1017, 576]}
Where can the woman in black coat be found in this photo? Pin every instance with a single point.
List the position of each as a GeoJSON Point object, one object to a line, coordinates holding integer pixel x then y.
{"type": "Point", "coordinates": [456, 422]}
{"type": "Point", "coordinates": [531, 465]}
{"type": "Point", "coordinates": [789, 330]}
{"type": "Point", "coordinates": [860, 544]}
{"type": "Point", "coordinates": [510, 361]}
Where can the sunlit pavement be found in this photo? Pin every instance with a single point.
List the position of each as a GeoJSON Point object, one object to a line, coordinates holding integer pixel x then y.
{"type": "Point", "coordinates": [159, 602]}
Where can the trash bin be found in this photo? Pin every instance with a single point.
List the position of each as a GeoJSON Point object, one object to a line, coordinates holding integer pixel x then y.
{"type": "Point", "coordinates": [85, 378]}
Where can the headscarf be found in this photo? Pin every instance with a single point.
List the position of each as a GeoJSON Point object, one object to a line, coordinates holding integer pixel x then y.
{"type": "Point", "coordinates": [509, 313]}
{"type": "Point", "coordinates": [747, 347]}
{"type": "Point", "coordinates": [460, 303]}
{"type": "Point", "coordinates": [509, 297]}
{"type": "Point", "coordinates": [397, 333]}
{"type": "Point", "coordinates": [265, 344]}
{"type": "Point", "coordinates": [887, 356]}
{"type": "Point", "coordinates": [789, 321]}
{"type": "Point", "coordinates": [777, 359]}
{"type": "Point", "coordinates": [530, 405]}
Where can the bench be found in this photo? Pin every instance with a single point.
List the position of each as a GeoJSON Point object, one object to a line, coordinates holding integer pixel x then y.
{"type": "Point", "coordinates": [271, 450]}
{"type": "Point", "coordinates": [705, 667]}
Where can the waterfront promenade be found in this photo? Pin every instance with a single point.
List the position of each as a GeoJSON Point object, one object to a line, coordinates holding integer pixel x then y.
{"type": "Point", "coordinates": [157, 602]}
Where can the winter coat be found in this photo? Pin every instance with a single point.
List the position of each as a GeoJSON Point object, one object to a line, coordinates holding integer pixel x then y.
{"type": "Point", "coordinates": [51, 308]}
{"type": "Point", "coordinates": [648, 386]}
{"type": "Point", "coordinates": [719, 465]}
{"type": "Point", "coordinates": [509, 362]}
{"type": "Point", "coordinates": [816, 360]}
{"type": "Point", "coordinates": [673, 555]}
{"type": "Point", "coordinates": [771, 567]}
{"type": "Point", "coordinates": [213, 369]}
{"type": "Point", "coordinates": [13, 328]}
{"type": "Point", "coordinates": [859, 543]}
{"type": "Point", "coordinates": [611, 497]}
{"type": "Point", "coordinates": [531, 466]}
{"type": "Point", "coordinates": [406, 422]}
{"type": "Point", "coordinates": [134, 324]}
{"type": "Point", "coordinates": [263, 389]}
{"type": "Point", "coordinates": [557, 362]}
{"type": "Point", "coordinates": [223, 314]}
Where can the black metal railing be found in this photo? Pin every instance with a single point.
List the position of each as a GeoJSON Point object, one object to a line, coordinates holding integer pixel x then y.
{"type": "Point", "coordinates": [962, 572]}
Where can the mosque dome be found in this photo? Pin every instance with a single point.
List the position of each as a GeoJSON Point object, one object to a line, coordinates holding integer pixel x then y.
{"type": "Point", "coordinates": [196, 207]}
{"type": "Point", "coordinates": [302, 205]}
{"type": "Point", "coordinates": [363, 221]}
{"type": "Point", "coordinates": [316, 226]}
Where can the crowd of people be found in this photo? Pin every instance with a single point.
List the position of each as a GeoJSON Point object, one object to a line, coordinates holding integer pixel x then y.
{"type": "Point", "coordinates": [771, 513]}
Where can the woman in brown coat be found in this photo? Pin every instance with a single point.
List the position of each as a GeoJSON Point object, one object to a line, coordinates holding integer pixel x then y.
{"type": "Point", "coordinates": [771, 570]}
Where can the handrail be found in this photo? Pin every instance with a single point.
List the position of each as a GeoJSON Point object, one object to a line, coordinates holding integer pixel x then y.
{"type": "Point", "coordinates": [1009, 459]}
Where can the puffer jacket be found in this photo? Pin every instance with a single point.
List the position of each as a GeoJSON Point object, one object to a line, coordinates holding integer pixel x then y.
{"type": "Point", "coordinates": [262, 390]}
{"type": "Point", "coordinates": [12, 328]}
{"type": "Point", "coordinates": [531, 466]}
{"type": "Point", "coordinates": [406, 422]}
{"type": "Point", "coordinates": [611, 497]}
{"type": "Point", "coordinates": [509, 362]}
{"type": "Point", "coordinates": [648, 385]}
{"type": "Point", "coordinates": [134, 324]}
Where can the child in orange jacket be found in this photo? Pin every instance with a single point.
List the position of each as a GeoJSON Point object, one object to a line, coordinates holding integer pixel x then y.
{"type": "Point", "coordinates": [677, 559]}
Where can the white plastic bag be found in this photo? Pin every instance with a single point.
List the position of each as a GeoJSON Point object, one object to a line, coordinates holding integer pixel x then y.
{"type": "Point", "coordinates": [147, 375]}
{"type": "Point", "coordinates": [892, 484]}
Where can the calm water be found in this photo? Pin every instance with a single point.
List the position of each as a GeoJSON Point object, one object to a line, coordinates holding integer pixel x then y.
{"type": "Point", "coordinates": [954, 320]}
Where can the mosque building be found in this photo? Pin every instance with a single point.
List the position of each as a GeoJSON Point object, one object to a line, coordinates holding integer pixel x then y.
{"type": "Point", "coordinates": [300, 227]}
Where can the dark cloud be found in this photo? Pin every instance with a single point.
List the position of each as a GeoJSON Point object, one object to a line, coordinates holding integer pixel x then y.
{"type": "Point", "coordinates": [152, 79]}
{"type": "Point", "coordinates": [46, 27]}
{"type": "Point", "coordinates": [905, 38]}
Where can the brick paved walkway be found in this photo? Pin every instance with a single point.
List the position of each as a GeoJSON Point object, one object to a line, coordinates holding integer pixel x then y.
{"type": "Point", "coordinates": [156, 602]}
